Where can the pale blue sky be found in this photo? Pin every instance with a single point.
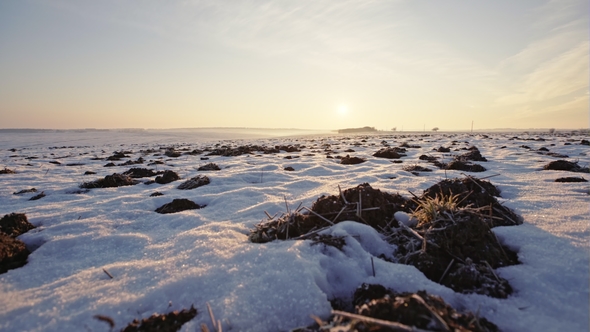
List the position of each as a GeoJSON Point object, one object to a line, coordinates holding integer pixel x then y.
{"type": "Point", "coordinates": [304, 64]}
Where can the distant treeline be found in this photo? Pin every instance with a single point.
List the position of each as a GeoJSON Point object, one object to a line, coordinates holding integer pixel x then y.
{"type": "Point", "coordinates": [357, 130]}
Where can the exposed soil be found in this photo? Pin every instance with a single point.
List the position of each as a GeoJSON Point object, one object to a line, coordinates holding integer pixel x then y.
{"type": "Point", "coordinates": [89, 173]}
{"type": "Point", "coordinates": [457, 249]}
{"type": "Point", "coordinates": [377, 309]}
{"type": "Point", "coordinates": [197, 181]}
{"type": "Point", "coordinates": [376, 209]}
{"type": "Point", "coordinates": [177, 205]}
{"type": "Point", "coordinates": [475, 193]}
{"type": "Point", "coordinates": [110, 181]}
{"type": "Point", "coordinates": [137, 173]}
{"type": "Point", "coordinates": [15, 224]}
{"type": "Point", "coordinates": [38, 196]}
{"type": "Point", "coordinates": [473, 155]}
{"type": "Point", "coordinates": [390, 153]}
{"type": "Point", "coordinates": [156, 194]}
{"type": "Point", "coordinates": [162, 322]}
{"type": "Point", "coordinates": [289, 169]}
{"type": "Point", "coordinates": [564, 165]}
{"type": "Point", "coordinates": [209, 167]}
{"type": "Point", "coordinates": [460, 165]}
{"type": "Point", "coordinates": [571, 179]}
{"type": "Point", "coordinates": [25, 191]}
{"type": "Point", "coordinates": [172, 153]}
{"type": "Point", "coordinates": [13, 253]}
{"type": "Point", "coordinates": [117, 156]}
{"type": "Point", "coordinates": [443, 149]}
{"type": "Point", "coordinates": [348, 160]}
{"type": "Point", "coordinates": [7, 171]}
{"type": "Point", "coordinates": [416, 168]}
{"type": "Point", "coordinates": [167, 177]}
{"type": "Point", "coordinates": [132, 162]}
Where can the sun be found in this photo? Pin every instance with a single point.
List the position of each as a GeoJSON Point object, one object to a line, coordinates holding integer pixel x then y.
{"type": "Point", "coordinates": [342, 109]}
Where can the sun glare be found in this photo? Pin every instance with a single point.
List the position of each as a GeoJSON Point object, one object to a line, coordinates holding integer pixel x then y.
{"type": "Point", "coordinates": [342, 109]}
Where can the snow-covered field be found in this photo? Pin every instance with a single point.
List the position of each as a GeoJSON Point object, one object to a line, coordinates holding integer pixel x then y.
{"type": "Point", "coordinates": [166, 262]}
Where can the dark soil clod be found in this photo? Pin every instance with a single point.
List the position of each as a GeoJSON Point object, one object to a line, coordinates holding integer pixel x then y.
{"type": "Point", "coordinates": [15, 224]}
{"type": "Point", "coordinates": [162, 322]}
{"type": "Point", "coordinates": [13, 253]}
{"type": "Point", "coordinates": [195, 182]}
{"type": "Point", "coordinates": [418, 310]}
{"type": "Point", "coordinates": [177, 205]}
{"type": "Point", "coordinates": [564, 165]}
{"type": "Point", "coordinates": [377, 209]}
{"type": "Point", "coordinates": [25, 191]}
{"type": "Point", "coordinates": [390, 153]}
{"type": "Point", "coordinates": [89, 173]}
{"type": "Point", "coordinates": [137, 173]}
{"type": "Point", "coordinates": [7, 171]}
{"type": "Point", "coordinates": [289, 169]}
{"type": "Point", "coordinates": [36, 197]}
{"type": "Point", "coordinates": [156, 194]}
{"type": "Point", "coordinates": [571, 179]}
{"type": "Point", "coordinates": [167, 177]}
{"type": "Point", "coordinates": [348, 160]}
{"type": "Point", "coordinates": [110, 181]}
{"type": "Point", "coordinates": [475, 193]}
{"type": "Point", "coordinates": [209, 167]}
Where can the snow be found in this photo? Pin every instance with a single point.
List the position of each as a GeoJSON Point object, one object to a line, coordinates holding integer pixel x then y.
{"type": "Point", "coordinates": [169, 262]}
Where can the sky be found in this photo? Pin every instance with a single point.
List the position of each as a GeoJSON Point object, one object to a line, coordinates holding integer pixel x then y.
{"type": "Point", "coordinates": [310, 64]}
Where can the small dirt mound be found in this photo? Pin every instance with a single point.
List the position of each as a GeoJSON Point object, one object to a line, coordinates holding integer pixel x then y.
{"type": "Point", "coordinates": [289, 169]}
{"type": "Point", "coordinates": [117, 156]}
{"type": "Point", "coordinates": [89, 173]}
{"type": "Point", "coordinates": [159, 322]}
{"type": "Point", "coordinates": [443, 149]}
{"type": "Point", "coordinates": [460, 165]}
{"type": "Point", "coordinates": [137, 173]}
{"type": "Point", "coordinates": [25, 191]}
{"type": "Point", "coordinates": [420, 310]}
{"type": "Point", "coordinates": [389, 153]}
{"type": "Point", "coordinates": [110, 181]}
{"type": "Point", "coordinates": [473, 155]}
{"type": "Point", "coordinates": [376, 209]}
{"type": "Point", "coordinates": [7, 171]}
{"type": "Point", "coordinates": [167, 177]}
{"type": "Point", "coordinates": [195, 182]}
{"type": "Point", "coordinates": [13, 253]}
{"type": "Point", "coordinates": [39, 196]}
{"type": "Point", "coordinates": [571, 179]}
{"type": "Point", "coordinates": [564, 165]}
{"type": "Point", "coordinates": [416, 168]}
{"type": "Point", "coordinates": [156, 194]}
{"type": "Point", "coordinates": [428, 158]}
{"type": "Point", "coordinates": [475, 193]}
{"type": "Point", "coordinates": [138, 161]}
{"type": "Point", "coordinates": [15, 224]}
{"type": "Point", "coordinates": [177, 205]}
{"type": "Point", "coordinates": [454, 247]}
{"type": "Point", "coordinates": [348, 160]}
{"type": "Point", "coordinates": [172, 153]}
{"type": "Point", "coordinates": [209, 167]}
{"type": "Point", "coordinates": [378, 309]}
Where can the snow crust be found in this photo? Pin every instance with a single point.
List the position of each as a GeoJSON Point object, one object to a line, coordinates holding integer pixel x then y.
{"type": "Point", "coordinates": [168, 262]}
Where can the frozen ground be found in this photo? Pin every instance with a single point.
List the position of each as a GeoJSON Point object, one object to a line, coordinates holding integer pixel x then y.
{"type": "Point", "coordinates": [167, 262]}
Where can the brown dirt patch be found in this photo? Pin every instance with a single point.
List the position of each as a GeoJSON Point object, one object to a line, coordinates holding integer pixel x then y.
{"type": "Point", "coordinates": [25, 191]}
{"type": "Point", "coordinates": [7, 171]}
{"type": "Point", "coordinates": [475, 193]}
{"type": "Point", "coordinates": [376, 209]}
{"type": "Point", "coordinates": [177, 205]}
{"type": "Point", "coordinates": [348, 160]}
{"type": "Point", "coordinates": [571, 179]}
{"type": "Point", "coordinates": [15, 224]}
{"type": "Point", "coordinates": [167, 177]}
{"type": "Point", "coordinates": [197, 181]}
{"type": "Point", "coordinates": [162, 322]}
{"type": "Point", "coordinates": [137, 173]}
{"type": "Point", "coordinates": [390, 153]}
{"type": "Point", "coordinates": [38, 196]}
{"type": "Point", "coordinates": [110, 181]}
{"type": "Point", "coordinates": [209, 167]}
{"type": "Point", "coordinates": [13, 253]}
{"type": "Point", "coordinates": [564, 165]}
